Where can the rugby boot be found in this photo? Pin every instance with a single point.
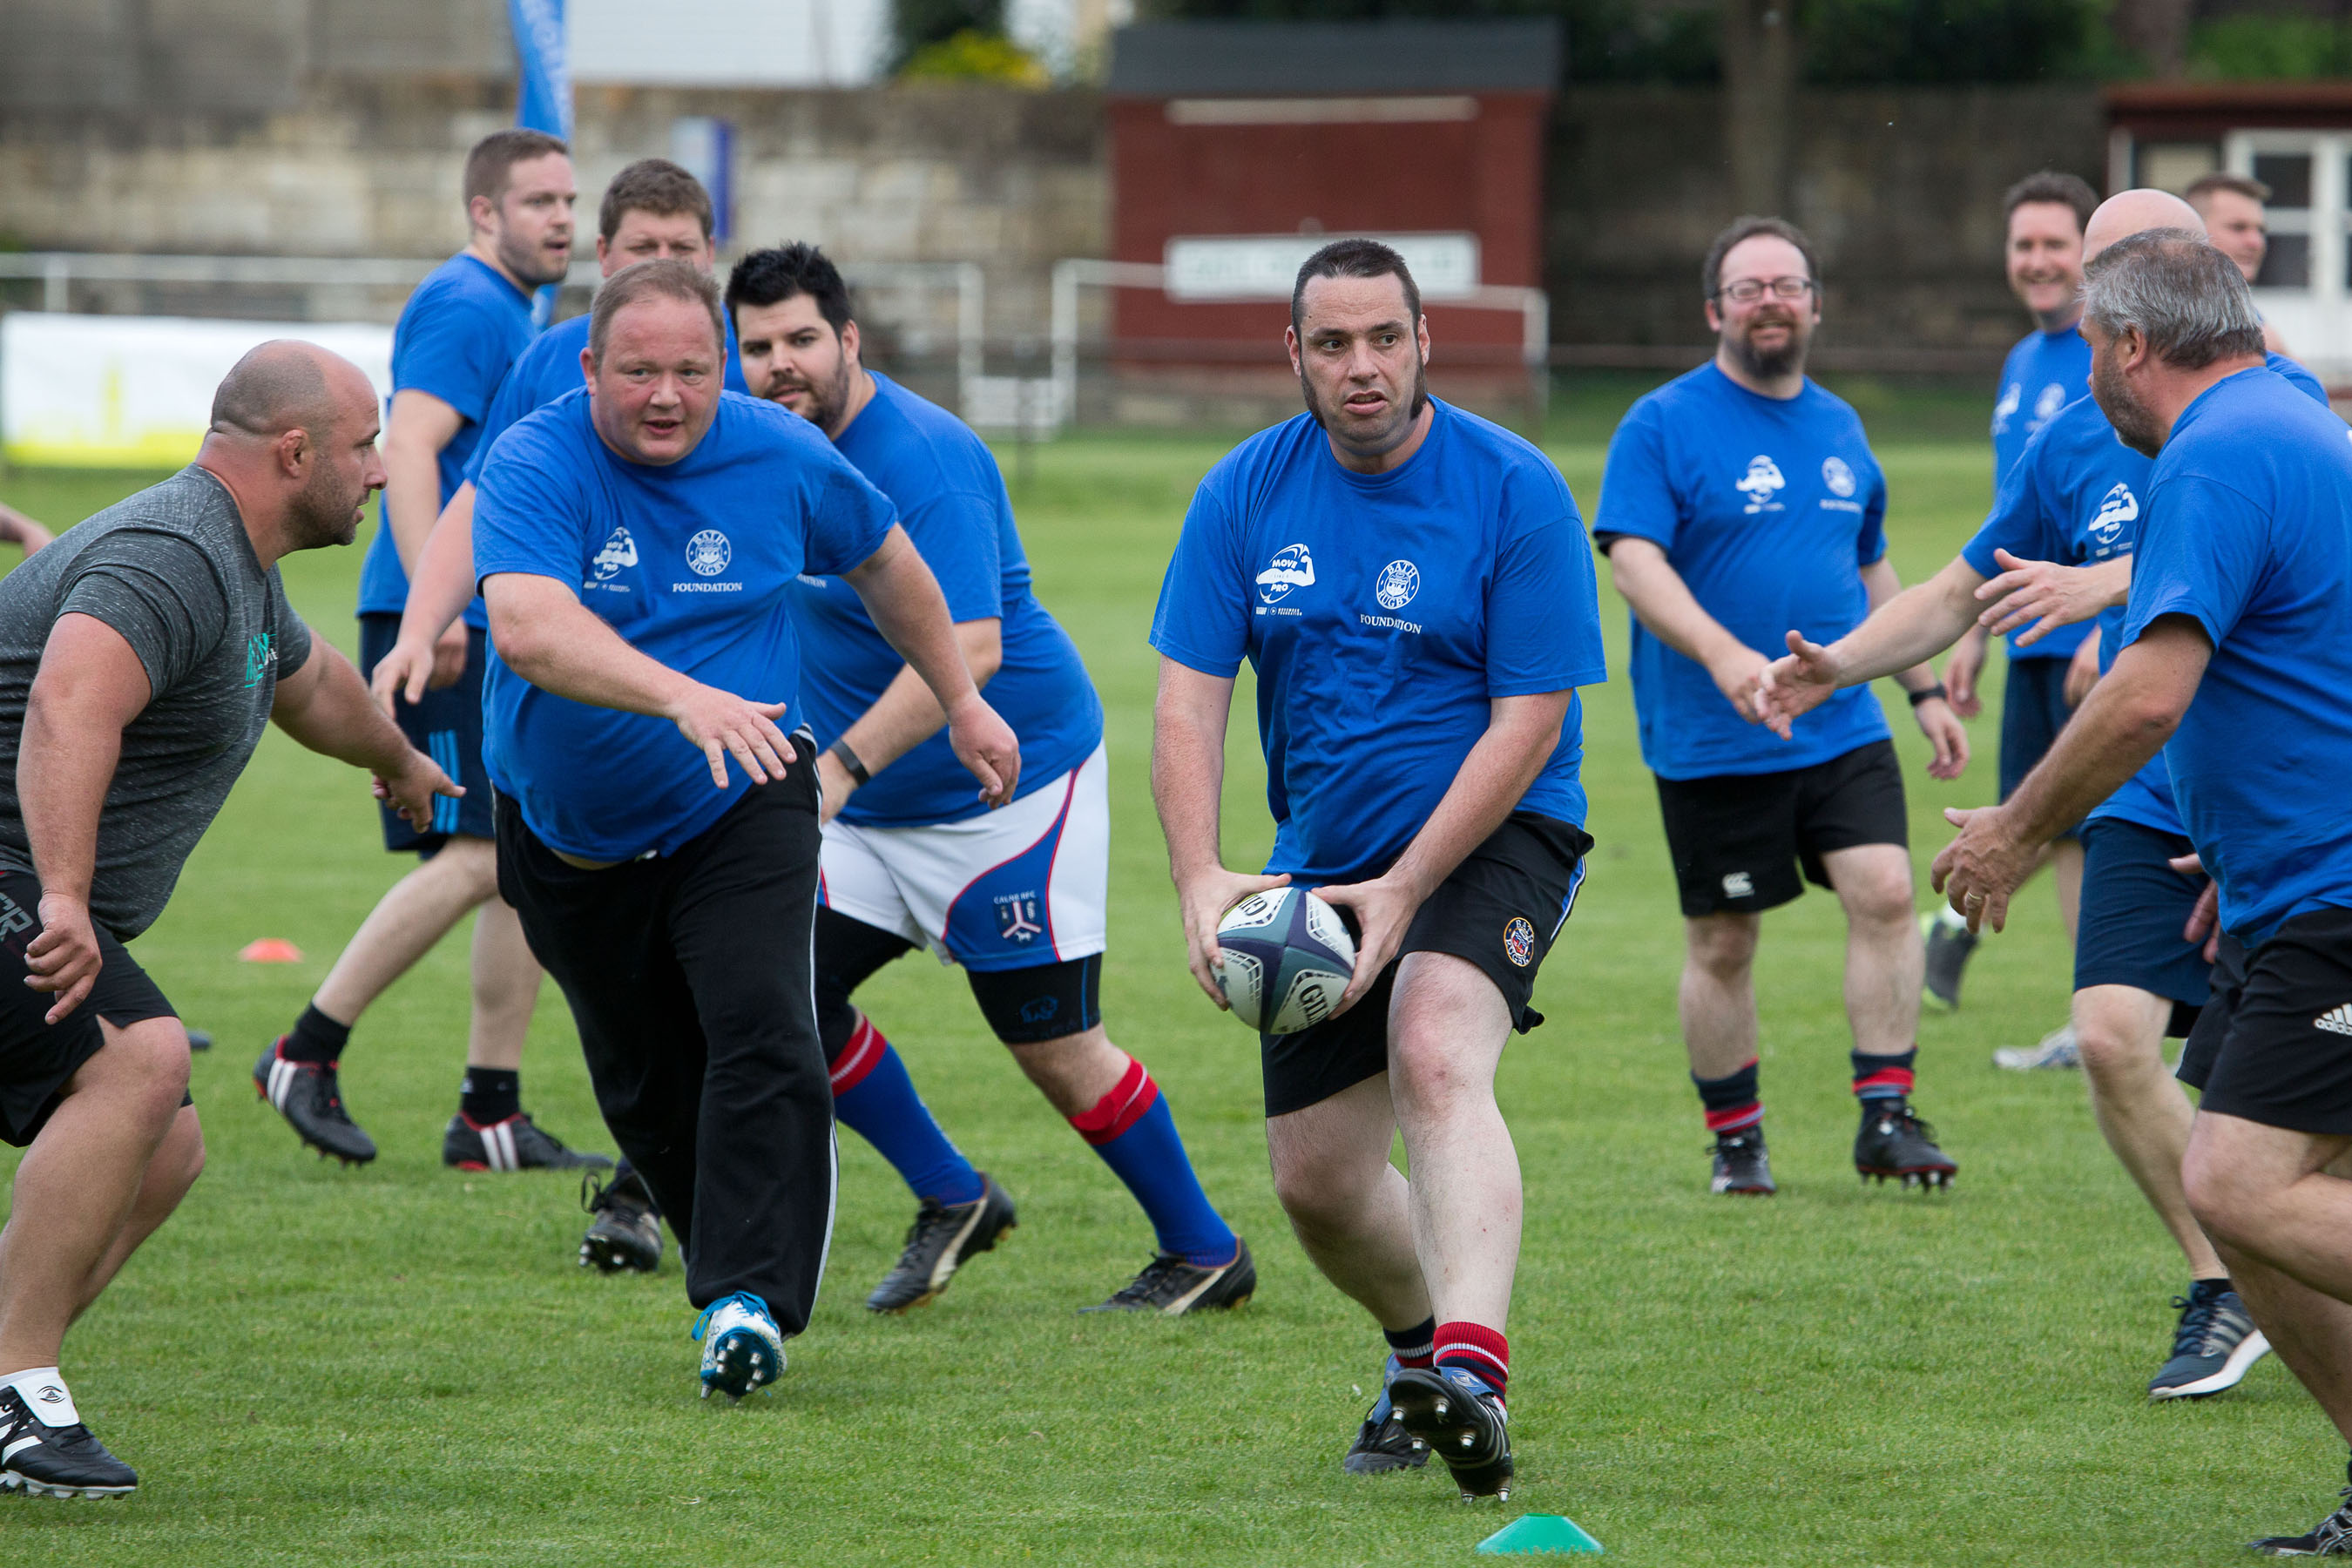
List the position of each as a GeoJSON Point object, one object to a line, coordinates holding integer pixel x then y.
{"type": "Point", "coordinates": [2331, 1537]}
{"type": "Point", "coordinates": [741, 1346]}
{"type": "Point", "coordinates": [937, 1244]}
{"type": "Point", "coordinates": [517, 1143]}
{"type": "Point", "coordinates": [1464, 1422]}
{"type": "Point", "coordinates": [2214, 1347]}
{"type": "Point", "coordinates": [62, 1461]}
{"type": "Point", "coordinates": [1742, 1164]}
{"type": "Point", "coordinates": [627, 1234]}
{"type": "Point", "coordinates": [1382, 1444]}
{"type": "Point", "coordinates": [1169, 1284]}
{"type": "Point", "coordinates": [1949, 942]}
{"type": "Point", "coordinates": [306, 1095]}
{"type": "Point", "coordinates": [1894, 1142]}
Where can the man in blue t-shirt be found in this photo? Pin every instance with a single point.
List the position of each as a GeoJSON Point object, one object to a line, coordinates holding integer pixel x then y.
{"type": "Point", "coordinates": [450, 351]}
{"type": "Point", "coordinates": [637, 542]}
{"type": "Point", "coordinates": [2048, 369]}
{"type": "Point", "coordinates": [2057, 548]}
{"type": "Point", "coordinates": [1412, 585]}
{"type": "Point", "coordinates": [2237, 644]}
{"type": "Point", "coordinates": [652, 210]}
{"type": "Point", "coordinates": [1738, 500]}
{"type": "Point", "coordinates": [911, 860]}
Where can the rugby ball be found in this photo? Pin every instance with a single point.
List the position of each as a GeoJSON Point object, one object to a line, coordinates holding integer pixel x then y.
{"type": "Point", "coordinates": [1285, 959]}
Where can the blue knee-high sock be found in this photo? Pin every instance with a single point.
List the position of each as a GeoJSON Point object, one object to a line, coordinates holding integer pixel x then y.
{"type": "Point", "coordinates": [1133, 1130]}
{"type": "Point", "coordinates": [872, 1094]}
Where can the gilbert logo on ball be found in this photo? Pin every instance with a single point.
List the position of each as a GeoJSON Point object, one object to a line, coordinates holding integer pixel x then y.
{"type": "Point", "coordinates": [1285, 960]}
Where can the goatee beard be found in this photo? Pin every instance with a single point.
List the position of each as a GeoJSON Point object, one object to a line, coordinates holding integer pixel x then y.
{"type": "Point", "coordinates": [1769, 364]}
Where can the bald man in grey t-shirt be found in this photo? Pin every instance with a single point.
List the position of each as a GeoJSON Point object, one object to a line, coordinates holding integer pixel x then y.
{"type": "Point", "coordinates": [140, 657]}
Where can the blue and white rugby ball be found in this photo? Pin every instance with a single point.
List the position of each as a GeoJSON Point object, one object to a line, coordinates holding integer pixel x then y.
{"type": "Point", "coordinates": [1286, 959]}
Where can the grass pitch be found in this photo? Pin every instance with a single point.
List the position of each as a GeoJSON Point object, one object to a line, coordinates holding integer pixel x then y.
{"type": "Point", "coordinates": [405, 1365]}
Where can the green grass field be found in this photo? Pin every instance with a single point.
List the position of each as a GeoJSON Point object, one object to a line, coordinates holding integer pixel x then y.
{"type": "Point", "coordinates": [404, 1365]}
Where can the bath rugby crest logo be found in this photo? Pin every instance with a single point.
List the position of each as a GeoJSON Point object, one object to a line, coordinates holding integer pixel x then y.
{"type": "Point", "coordinates": [1519, 941]}
{"type": "Point", "coordinates": [1400, 581]}
{"type": "Point", "coordinates": [1838, 475]}
{"type": "Point", "coordinates": [707, 553]}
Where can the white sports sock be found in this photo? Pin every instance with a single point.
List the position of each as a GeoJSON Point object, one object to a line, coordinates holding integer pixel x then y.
{"type": "Point", "coordinates": [44, 1393]}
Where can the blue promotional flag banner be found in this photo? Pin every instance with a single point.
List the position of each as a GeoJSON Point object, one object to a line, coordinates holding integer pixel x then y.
{"type": "Point", "coordinates": [544, 103]}
{"type": "Point", "coordinates": [544, 96]}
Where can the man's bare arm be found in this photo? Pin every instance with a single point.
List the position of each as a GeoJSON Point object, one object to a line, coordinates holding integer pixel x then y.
{"type": "Point", "coordinates": [1658, 595]}
{"type": "Point", "coordinates": [1904, 631]}
{"type": "Point", "coordinates": [911, 614]}
{"type": "Point", "coordinates": [89, 686]}
{"type": "Point", "coordinates": [1188, 781]}
{"type": "Point", "coordinates": [907, 714]}
{"type": "Point", "coordinates": [439, 589]}
{"type": "Point", "coordinates": [18, 529]}
{"type": "Point", "coordinates": [325, 706]}
{"type": "Point", "coordinates": [2028, 591]}
{"type": "Point", "coordinates": [419, 425]}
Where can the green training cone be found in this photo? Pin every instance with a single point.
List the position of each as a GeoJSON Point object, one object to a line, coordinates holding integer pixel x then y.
{"type": "Point", "coordinates": [1538, 1533]}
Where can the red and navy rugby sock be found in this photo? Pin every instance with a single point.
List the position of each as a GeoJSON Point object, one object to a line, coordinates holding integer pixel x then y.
{"type": "Point", "coordinates": [1134, 1132]}
{"type": "Point", "coordinates": [1730, 1101]}
{"type": "Point", "coordinates": [1883, 1078]}
{"type": "Point", "coordinates": [1477, 1350]}
{"type": "Point", "coordinates": [873, 1096]}
{"type": "Point", "coordinates": [1415, 1346]}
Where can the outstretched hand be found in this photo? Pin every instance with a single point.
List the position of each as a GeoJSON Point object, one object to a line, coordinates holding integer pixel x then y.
{"type": "Point", "coordinates": [1979, 870]}
{"type": "Point", "coordinates": [720, 724]}
{"type": "Point", "coordinates": [412, 791]}
{"type": "Point", "coordinates": [2039, 593]}
{"type": "Point", "coordinates": [1796, 684]}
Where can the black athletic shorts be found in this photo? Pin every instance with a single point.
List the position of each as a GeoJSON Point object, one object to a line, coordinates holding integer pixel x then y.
{"type": "Point", "coordinates": [2033, 711]}
{"type": "Point", "coordinates": [447, 727]}
{"type": "Point", "coordinates": [36, 1058]}
{"type": "Point", "coordinates": [1740, 839]}
{"type": "Point", "coordinates": [2134, 907]}
{"type": "Point", "coordinates": [2204, 1042]}
{"type": "Point", "coordinates": [2284, 1055]}
{"type": "Point", "coordinates": [1501, 910]}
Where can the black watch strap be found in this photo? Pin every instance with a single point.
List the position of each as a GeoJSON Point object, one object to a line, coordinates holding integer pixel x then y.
{"type": "Point", "coordinates": [849, 763]}
{"type": "Point", "coordinates": [1925, 694]}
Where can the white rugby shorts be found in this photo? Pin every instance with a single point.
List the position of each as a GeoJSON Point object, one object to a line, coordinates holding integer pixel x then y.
{"type": "Point", "coordinates": [1009, 890]}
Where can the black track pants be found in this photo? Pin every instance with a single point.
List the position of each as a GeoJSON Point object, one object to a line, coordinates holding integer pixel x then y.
{"type": "Point", "coordinates": [688, 976]}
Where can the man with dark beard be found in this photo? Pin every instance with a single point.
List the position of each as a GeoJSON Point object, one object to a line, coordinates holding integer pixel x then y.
{"type": "Point", "coordinates": [140, 657]}
{"type": "Point", "coordinates": [1740, 500]}
{"type": "Point", "coordinates": [1413, 587]}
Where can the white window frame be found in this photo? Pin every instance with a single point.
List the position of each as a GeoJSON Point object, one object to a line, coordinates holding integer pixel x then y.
{"type": "Point", "coordinates": [2325, 220]}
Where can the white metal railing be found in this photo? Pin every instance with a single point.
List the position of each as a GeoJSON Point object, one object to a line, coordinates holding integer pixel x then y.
{"type": "Point", "coordinates": [1075, 273]}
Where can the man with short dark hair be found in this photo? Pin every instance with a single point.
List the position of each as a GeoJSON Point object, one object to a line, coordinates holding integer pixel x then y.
{"type": "Point", "coordinates": [2236, 645]}
{"type": "Point", "coordinates": [2232, 207]}
{"type": "Point", "coordinates": [1740, 499]}
{"type": "Point", "coordinates": [637, 542]}
{"type": "Point", "coordinates": [2057, 546]}
{"type": "Point", "coordinates": [1412, 585]}
{"type": "Point", "coordinates": [141, 657]}
{"type": "Point", "coordinates": [451, 349]}
{"type": "Point", "coordinates": [2045, 213]}
{"type": "Point", "coordinates": [1016, 896]}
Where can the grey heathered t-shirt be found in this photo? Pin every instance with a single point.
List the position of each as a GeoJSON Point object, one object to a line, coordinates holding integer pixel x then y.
{"type": "Point", "coordinates": [173, 570]}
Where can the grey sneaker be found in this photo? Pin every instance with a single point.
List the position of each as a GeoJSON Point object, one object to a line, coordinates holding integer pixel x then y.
{"type": "Point", "coordinates": [2331, 1537]}
{"type": "Point", "coordinates": [2214, 1347]}
{"type": "Point", "coordinates": [1950, 942]}
{"type": "Point", "coordinates": [2058, 1049]}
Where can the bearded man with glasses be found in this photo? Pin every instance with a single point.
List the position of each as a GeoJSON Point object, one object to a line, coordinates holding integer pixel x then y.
{"type": "Point", "coordinates": [1739, 500]}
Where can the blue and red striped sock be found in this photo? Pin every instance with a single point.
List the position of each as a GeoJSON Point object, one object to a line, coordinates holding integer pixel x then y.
{"type": "Point", "coordinates": [1415, 1346]}
{"type": "Point", "coordinates": [875, 1098]}
{"type": "Point", "coordinates": [1883, 1078]}
{"type": "Point", "coordinates": [1134, 1132]}
{"type": "Point", "coordinates": [1730, 1101]}
{"type": "Point", "coordinates": [1477, 1350]}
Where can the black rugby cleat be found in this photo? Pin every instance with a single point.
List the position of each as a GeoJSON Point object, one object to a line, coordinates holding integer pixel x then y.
{"type": "Point", "coordinates": [1463, 1421]}
{"type": "Point", "coordinates": [305, 1093]}
{"type": "Point", "coordinates": [1894, 1142]}
{"type": "Point", "coordinates": [42, 1460]}
{"type": "Point", "coordinates": [942, 1238]}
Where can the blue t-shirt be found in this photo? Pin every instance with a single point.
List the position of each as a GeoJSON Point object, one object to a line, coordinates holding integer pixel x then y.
{"type": "Point", "coordinates": [2075, 496]}
{"type": "Point", "coordinates": [1383, 612]}
{"type": "Point", "coordinates": [2043, 373]}
{"type": "Point", "coordinates": [1768, 508]}
{"type": "Point", "coordinates": [692, 564]}
{"type": "Point", "coordinates": [951, 500]}
{"type": "Point", "coordinates": [455, 337]}
{"type": "Point", "coordinates": [548, 369]}
{"type": "Point", "coordinates": [2249, 531]}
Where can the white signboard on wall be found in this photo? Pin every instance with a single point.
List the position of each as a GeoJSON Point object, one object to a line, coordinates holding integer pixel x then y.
{"type": "Point", "coordinates": [1265, 265]}
{"type": "Point", "coordinates": [136, 392]}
